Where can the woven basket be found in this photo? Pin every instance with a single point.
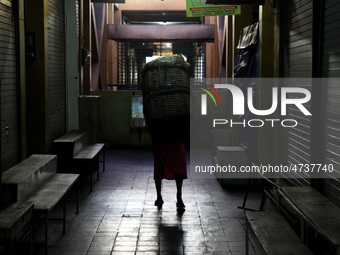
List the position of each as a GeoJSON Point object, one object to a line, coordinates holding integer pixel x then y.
{"type": "Point", "coordinates": [166, 99]}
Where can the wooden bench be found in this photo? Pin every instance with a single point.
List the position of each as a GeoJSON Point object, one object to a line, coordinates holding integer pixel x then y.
{"type": "Point", "coordinates": [315, 219]}
{"type": "Point", "coordinates": [14, 218]}
{"type": "Point", "coordinates": [76, 154]}
{"type": "Point", "coordinates": [35, 179]}
{"type": "Point", "coordinates": [315, 212]}
{"type": "Point", "coordinates": [270, 225]}
{"type": "Point", "coordinates": [54, 190]}
{"type": "Point", "coordinates": [274, 233]}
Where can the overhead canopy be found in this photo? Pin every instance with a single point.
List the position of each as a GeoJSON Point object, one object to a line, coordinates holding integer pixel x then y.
{"type": "Point", "coordinates": [237, 2]}
{"type": "Point", "coordinates": [161, 32]}
{"type": "Point", "coordinates": [136, 17]}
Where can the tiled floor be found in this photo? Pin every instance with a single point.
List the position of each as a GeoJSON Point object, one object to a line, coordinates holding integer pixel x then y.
{"type": "Point", "coordinates": [119, 216]}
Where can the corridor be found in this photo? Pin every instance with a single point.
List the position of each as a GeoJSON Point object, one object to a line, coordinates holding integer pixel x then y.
{"type": "Point", "coordinates": [119, 216]}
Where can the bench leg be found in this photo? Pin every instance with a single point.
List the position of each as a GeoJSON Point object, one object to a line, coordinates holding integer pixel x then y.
{"type": "Point", "coordinates": [247, 237]}
{"type": "Point", "coordinates": [31, 237]}
{"type": "Point", "coordinates": [104, 159]}
{"type": "Point", "coordinates": [11, 246]}
{"type": "Point", "coordinates": [91, 178]}
{"type": "Point", "coordinates": [64, 214]}
{"type": "Point", "coordinates": [98, 170]}
{"type": "Point", "coordinates": [243, 207]}
{"type": "Point", "coordinates": [303, 231]}
{"type": "Point", "coordinates": [46, 233]}
{"type": "Point", "coordinates": [77, 197]}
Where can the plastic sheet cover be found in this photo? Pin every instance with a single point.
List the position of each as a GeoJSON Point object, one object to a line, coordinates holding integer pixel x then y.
{"type": "Point", "coordinates": [246, 67]}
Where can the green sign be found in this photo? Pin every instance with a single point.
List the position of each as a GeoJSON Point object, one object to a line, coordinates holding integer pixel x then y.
{"type": "Point", "coordinates": [198, 8]}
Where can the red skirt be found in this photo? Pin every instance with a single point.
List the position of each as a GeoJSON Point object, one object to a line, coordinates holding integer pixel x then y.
{"type": "Point", "coordinates": [170, 161]}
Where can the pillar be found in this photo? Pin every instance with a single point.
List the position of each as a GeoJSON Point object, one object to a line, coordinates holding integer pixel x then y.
{"type": "Point", "coordinates": [268, 137]}
{"type": "Point", "coordinates": [71, 66]}
{"type": "Point", "coordinates": [22, 79]}
{"type": "Point", "coordinates": [37, 79]}
{"type": "Point", "coordinates": [86, 44]}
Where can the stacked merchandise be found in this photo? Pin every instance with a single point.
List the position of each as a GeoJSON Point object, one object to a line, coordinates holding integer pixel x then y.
{"type": "Point", "coordinates": [166, 99]}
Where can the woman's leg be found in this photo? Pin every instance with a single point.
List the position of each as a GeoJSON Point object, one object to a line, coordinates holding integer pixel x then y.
{"type": "Point", "coordinates": [159, 201]}
{"type": "Point", "coordinates": [179, 184]}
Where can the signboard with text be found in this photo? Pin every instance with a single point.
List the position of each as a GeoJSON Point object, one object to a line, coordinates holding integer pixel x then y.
{"type": "Point", "coordinates": [199, 8]}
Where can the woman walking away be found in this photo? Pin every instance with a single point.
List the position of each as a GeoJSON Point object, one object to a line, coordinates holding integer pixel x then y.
{"type": "Point", "coordinates": [170, 164]}
{"type": "Point", "coordinates": [166, 107]}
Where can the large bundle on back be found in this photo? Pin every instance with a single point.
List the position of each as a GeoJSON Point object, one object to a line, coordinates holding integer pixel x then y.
{"type": "Point", "coordinates": [166, 99]}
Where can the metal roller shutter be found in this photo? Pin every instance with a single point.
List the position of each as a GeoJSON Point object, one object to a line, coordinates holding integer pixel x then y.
{"type": "Point", "coordinates": [8, 84]}
{"type": "Point", "coordinates": [298, 64]}
{"type": "Point", "coordinates": [78, 42]}
{"type": "Point", "coordinates": [56, 69]}
{"type": "Point", "coordinates": [330, 103]}
{"type": "Point", "coordinates": [132, 56]}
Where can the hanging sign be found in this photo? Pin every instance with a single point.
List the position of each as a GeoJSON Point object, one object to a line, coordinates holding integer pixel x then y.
{"type": "Point", "coordinates": [199, 8]}
{"type": "Point", "coordinates": [238, 2]}
{"type": "Point", "coordinates": [109, 1]}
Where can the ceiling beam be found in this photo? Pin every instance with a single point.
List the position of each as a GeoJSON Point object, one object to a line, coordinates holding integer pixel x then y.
{"type": "Point", "coordinates": [161, 32]}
